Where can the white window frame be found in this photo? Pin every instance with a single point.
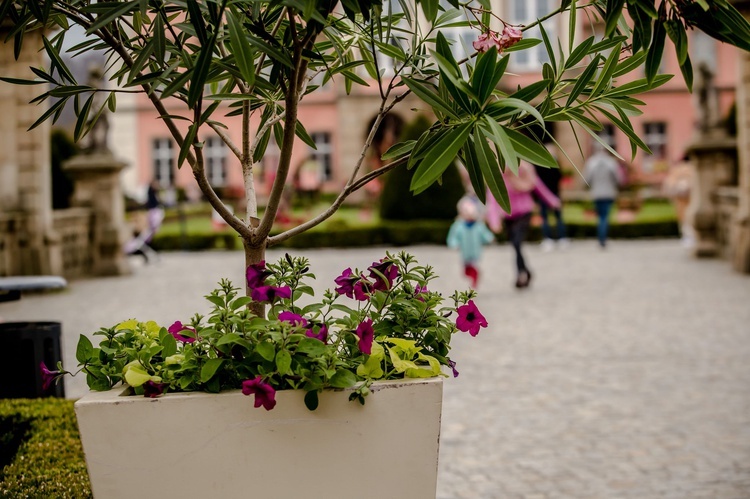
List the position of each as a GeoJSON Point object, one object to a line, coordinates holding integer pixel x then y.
{"type": "Point", "coordinates": [323, 154]}
{"type": "Point", "coordinates": [533, 58]}
{"type": "Point", "coordinates": [162, 157]}
{"type": "Point", "coordinates": [215, 158]}
{"type": "Point", "coordinates": [655, 136]}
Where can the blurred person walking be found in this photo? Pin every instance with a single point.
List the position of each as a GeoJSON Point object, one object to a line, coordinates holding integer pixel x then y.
{"type": "Point", "coordinates": [516, 223]}
{"type": "Point", "coordinates": [604, 177]}
{"type": "Point", "coordinates": [677, 186]}
{"type": "Point", "coordinates": [468, 234]}
{"type": "Point", "coordinates": [551, 178]}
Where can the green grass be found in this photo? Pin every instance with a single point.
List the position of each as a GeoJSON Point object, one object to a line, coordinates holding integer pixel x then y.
{"type": "Point", "coordinates": [583, 213]}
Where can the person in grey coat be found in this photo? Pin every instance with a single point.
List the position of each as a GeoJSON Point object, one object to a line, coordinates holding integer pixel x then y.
{"type": "Point", "coordinates": [604, 177]}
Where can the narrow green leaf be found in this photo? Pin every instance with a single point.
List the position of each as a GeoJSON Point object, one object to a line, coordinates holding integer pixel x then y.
{"type": "Point", "coordinates": [548, 45]}
{"type": "Point", "coordinates": [530, 150]}
{"type": "Point", "coordinates": [57, 61]}
{"type": "Point", "coordinates": [114, 10]}
{"type": "Point", "coordinates": [302, 134]}
{"type": "Point", "coordinates": [583, 81]}
{"type": "Point", "coordinates": [475, 172]}
{"type": "Point", "coordinates": [490, 167]}
{"type": "Point", "coordinates": [676, 32]}
{"type": "Point", "coordinates": [440, 157]}
{"type": "Point", "coordinates": [53, 109]}
{"type": "Point", "coordinates": [283, 362]}
{"type": "Point", "coordinates": [20, 81]}
{"type": "Point", "coordinates": [398, 150]}
{"type": "Point", "coordinates": [498, 135]}
{"type": "Point", "coordinates": [81, 122]}
{"type": "Point", "coordinates": [638, 86]}
{"type": "Point", "coordinates": [614, 11]}
{"type": "Point", "coordinates": [530, 92]}
{"type": "Point", "coordinates": [687, 73]}
{"type": "Point", "coordinates": [424, 92]}
{"type": "Point", "coordinates": [572, 29]}
{"type": "Point", "coordinates": [243, 53]}
{"type": "Point", "coordinates": [483, 76]}
{"type": "Point", "coordinates": [187, 144]}
{"type": "Point", "coordinates": [655, 51]}
{"type": "Point", "coordinates": [606, 74]}
{"type": "Point", "coordinates": [160, 41]}
{"type": "Point", "coordinates": [626, 128]}
{"type": "Point", "coordinates": [196, 19]}
{"type": "Point", "coordinates": [629, 64]}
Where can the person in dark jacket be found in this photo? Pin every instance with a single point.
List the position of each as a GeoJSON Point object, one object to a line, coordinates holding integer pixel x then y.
{"type": "Point", "coordinates": [551, 178]}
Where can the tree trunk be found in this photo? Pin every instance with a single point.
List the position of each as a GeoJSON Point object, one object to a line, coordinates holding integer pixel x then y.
{"type": "Point", "coordinates": [254, 253]}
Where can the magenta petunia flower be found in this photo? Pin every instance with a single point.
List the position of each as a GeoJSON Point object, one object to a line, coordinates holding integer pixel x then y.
{"type": "Point", "coordinates": [346, 283]}
{"type": "Point", "coordinates": [419, 290]}
{"type": "Point", "coordinates": [175, 330]}
{"type": "Point", "coordinates": [365, 333]}
{"type": "Point", "coordinates": [322, 333]}
{"type": "Point", "coordinates": [452, 365]}
{"type": "Point", "coordinates": [388, 269]}
{"type": "Point", "coordinates": [256, 274]}
{"type": "Point", "coordinates": [470, 319]}
{"type": "Point", "coordinates": [265, 394]}
{"type": "Point", "coordinates": [48, 377]}
{"type": "Point", "coordinates": [362, 289]}
{"type": "Point", "coordinates": [152, 389]}
{"type": "Point", "coordinates": [292, 318]}
{"type": "Point", "coordinates": [270, 293]}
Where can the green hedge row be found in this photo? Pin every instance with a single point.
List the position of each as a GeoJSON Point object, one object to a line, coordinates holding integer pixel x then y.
{"type": "Point", "coordinates": [41, 454]}
{"type": "Point", "coordinates": [398, 234]}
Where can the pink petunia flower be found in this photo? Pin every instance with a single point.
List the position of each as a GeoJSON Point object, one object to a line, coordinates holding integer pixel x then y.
{"type": "Point", "coordinates": [292, 318]}
{"type": "Point", "coordinates": [265, 394]}
{"type": "Point", "coordinates": [470, 319]}
{"type": "Point", "coordinates": [48, 377]}
{"type": "Point", "coordinates": [175, 330]}
{"type": "Point", "coordinates": [256, 274]}
{"type": "Point", "coordinates": [388, 269]}
{"type": "Point", "coordinates": [366, 334]}
{"type": "Point", "coordinates": [322, 333]}
{"type": "Point", "coordinates": [346, 283]}
{"type": "Point", "coordinates": [270, 293]}
{"type": "Point", "coordinates": [152, 389]}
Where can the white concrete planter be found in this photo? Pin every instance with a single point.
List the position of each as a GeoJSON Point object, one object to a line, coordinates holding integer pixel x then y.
{"type": "Point", "coordinates": [199, 445]}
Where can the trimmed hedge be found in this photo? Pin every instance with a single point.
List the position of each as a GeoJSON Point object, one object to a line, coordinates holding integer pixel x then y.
{"type": "Point", "coordinates": [48, 459]}
{"type": "Point", "coordinates": [395, 233]}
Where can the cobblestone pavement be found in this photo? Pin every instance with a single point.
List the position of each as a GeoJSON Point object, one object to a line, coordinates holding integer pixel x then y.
{"type": "Point", "coordinates": [622, 373]}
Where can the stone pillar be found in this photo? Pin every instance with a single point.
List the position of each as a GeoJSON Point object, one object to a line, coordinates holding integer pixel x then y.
{"type": "Point", "coordinates": [739, 251]}
{"type": "Point", "coordinates": [712, 160]}
{"type": "Point", "coordinates": [25, 178]}
{"type": "Point", "coordinates": [96, 178]}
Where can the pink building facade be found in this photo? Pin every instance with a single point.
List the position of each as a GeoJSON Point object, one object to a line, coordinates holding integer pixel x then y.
{"type": "Point", "coordinates": [339, 125]}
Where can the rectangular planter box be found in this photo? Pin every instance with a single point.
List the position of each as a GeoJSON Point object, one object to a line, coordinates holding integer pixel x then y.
{"type": "Point", "coordinates": [186, 445]}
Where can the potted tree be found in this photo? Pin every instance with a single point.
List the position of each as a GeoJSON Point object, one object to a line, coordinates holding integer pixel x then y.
{"type": "Point", "coordinates": [264, 58]}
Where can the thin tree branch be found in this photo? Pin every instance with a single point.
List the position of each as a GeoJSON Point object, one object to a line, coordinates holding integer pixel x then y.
{"type": "Point", "coordinates": [227, 140]}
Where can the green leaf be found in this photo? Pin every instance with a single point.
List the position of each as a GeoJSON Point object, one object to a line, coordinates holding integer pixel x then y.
{"type": "Point", "coordinates": [490, 167]}
{"type": "Point", "coordinates": [606, 75]}
{"type": "Point", "coordinates": [343, 379]}
{"type": "Point", "coordinates": [638, 86]}
{"type": "Point", "coordinates": [583, 80]}
{"type": "Point", "coordinates": [676, 32]}
{"type": "Point", "coordinates": [311, 400]}
{"type": "Point", "coordinates": [530, 150]}
{"type": "Point", "coordinates": [243, 52]}
{"type": "Point", "coordinates": [655, 51]}
{"type": "Point", "coordinates": [169, 345]}
{"type": "Point", "coordinates": [266, 350]}
{"type": "Point", "coordinates": [475, 172]}
{"type": "Point", "coordinates": [579, 53]}
{"type": "Point", "coordinates": [529, 92]}
{"type": "Point", "coordinates": [687, 73]}
{"type": "Point", "coordinates": [312, 347]}
{"type": "Point", "coordinates": [430, 8]}
{"type": "Point", "coordinates": [302, 134]}
{"type": "Point", "coordinates": [424, 92]}
{"type": "Point", "coordinates": [398, 150]}
{"type": "Point", "coordinates": [196, 19]}
{"type": "Point", "coordinates": [187, 144]}
{"type": "Point", "coordinates": [613, 12]}
{"type": "Point", "coordinates": [497, 134]}
{"type": "Point", "coordinates": [439, 158]}
{"type": "Point", "coordinates": [626, 128]}
{"type": "Point", "coordinates": [200, 72]}
{"type": "Point", "coordinates": [483, 76]}
{"type": "Point", "coordinates": [524, 44]}
{"type": "Point", "coordinates": [547, 45]}
{"type": "Point", "coordinates": [19, 81]}
{"type": "Point", "coordinates": [114, 10]}
{"type": "Point", "coordinates": [228, 338]}
{"type": "Point", "coordinates": [209, 369]}
{"type": "Point", "coordinates": [629, 64]}
{"type": "Point", "coordinates": [283, 362]}
{"type": "Point", "coordinates": [56, 61]}
{"type": "Point", "coordinates": [84, 350]}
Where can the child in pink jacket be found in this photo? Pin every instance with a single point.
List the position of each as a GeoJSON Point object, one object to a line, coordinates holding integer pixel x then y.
{"type": "Point", "coordinates": [517, 222]}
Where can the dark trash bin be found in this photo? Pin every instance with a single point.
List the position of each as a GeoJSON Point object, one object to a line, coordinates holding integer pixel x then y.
{"type": "Point", "coordinates": [23, 346]}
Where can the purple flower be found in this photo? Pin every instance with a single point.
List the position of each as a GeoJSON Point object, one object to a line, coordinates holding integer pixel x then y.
{"type": "Point", "coordinates": [388, 269]}
{"type": "Point", "coordinates": [470, 319]}
{"type": "Point", "coordinates": [48, 377]}
{"type": "Point", "coordinates": [365, 334]}
{"type": "Point", "coordinates": [452, 365]}
{"type": "Point", "coordinates": [420, 290]}
{"type": "Point", "coordinates": [256, 274]}
{"type": "Point", "coordinates": [152, 389]}
{"type": "Point", "coordinates": [265, 394]}
{"type": "Point", "coordinates": [346, 283]}
{"type": "Point", "coordinates": [175, 330]}
{"type": "Point", "coordinates": [362, 289]}
{"type": "Point", "coordinates": [292, 318]}
{"type": "Point", "coordinates": [269, 293]}
{"type": "Point", "coordinates": [322, 333]}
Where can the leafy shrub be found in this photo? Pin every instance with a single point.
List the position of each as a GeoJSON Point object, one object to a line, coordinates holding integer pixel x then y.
{"type": "Point", "coordinates": [49, 461]}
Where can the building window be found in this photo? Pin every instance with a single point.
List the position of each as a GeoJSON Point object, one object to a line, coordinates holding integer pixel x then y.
{"type": "Point", "coordinates": [655, 137]}
{"type": "Point", "coordinates": [324, 153]}
{"type": "Point", "coordinates": [460, 37]}
{"type": "Point", "coordinates": [269, 164]}
{"type": "Point", "coordinates": [525, 12]}
{"type": "Point", "coordinates": [215, 158]}
{"type": "Point", "coordinates": [607, 134]}
{"type": "Point", "coordinates": [386, 64]}
{"type": "Point", "coordinates": [163, 160]}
